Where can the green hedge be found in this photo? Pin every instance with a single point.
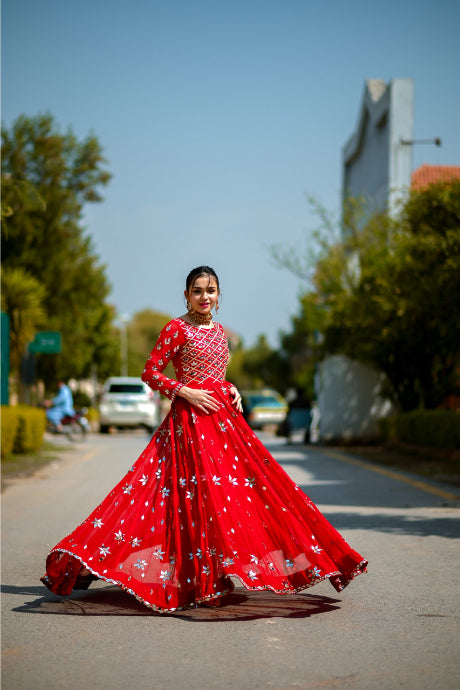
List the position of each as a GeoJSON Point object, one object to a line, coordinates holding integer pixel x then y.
{"type": "Point", "coordinates": [10, 425]}
{"type": "Point", "coordinates": [438, 428]}
{"type": "Point", "coordinates": [22, 429]}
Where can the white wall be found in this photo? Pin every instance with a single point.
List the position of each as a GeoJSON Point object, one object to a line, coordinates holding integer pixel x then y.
{"type": "Point", "coordinates": [348, 399]}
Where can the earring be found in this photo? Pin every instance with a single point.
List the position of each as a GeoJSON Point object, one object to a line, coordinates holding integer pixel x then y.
{"type": "Point", "coordinates": [217, 305]}
{"type": "Point", "coordinates": [189, 306]}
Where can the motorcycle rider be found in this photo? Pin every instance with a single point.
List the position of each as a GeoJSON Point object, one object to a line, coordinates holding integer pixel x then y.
{"type": "Point", "coordinates": [61, 406]}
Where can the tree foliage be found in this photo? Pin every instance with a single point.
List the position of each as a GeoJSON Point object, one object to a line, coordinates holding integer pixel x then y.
{"type": "Point", "coordinates": [388, 295]}
{"type": "Point", "coordinates": [47, 178]}
{"type": "Point", "coordinates": [22, 300]}
{"type": "Point", "coordinates": [143, 331]}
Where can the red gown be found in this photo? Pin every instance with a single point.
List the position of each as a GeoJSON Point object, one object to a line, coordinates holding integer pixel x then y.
{"type": "Point", "coordinates": [204, 502]}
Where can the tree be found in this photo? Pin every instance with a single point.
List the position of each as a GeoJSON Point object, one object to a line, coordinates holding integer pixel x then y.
{"type": "Point", "coordinates": [22, 300]}
{"type": "Point", "coordinates": [143, 331]}
{"type": "Point", "coordinates": [388, 295]}
{"type": "Point", "coordinates": [47, 178]}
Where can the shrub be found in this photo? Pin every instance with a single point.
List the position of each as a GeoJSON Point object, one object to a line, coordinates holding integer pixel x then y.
{"type": "Point", "coordinates": [32, 425]}
{"type": "Point", "coordinates": [439, 428]}
{"type": "Point", "coordinates": [10, 424]}
{"type": "Point", "coordinates": [81, 399]}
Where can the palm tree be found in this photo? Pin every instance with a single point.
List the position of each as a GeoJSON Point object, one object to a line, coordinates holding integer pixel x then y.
{"type": "Point", "coordinates": [22, 300]}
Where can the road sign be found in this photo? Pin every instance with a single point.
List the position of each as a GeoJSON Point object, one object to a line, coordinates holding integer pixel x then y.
{"type": "Point", "coordinates": [48, 342]}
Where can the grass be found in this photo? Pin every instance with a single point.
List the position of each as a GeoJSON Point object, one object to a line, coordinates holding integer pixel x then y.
{"type": "Point", "coordinates": [439, 465]}
{"type": "Point", "coordinates": [24, 465]}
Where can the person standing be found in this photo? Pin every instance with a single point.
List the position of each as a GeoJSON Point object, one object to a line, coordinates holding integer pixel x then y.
{"type": "Point", "coordinates": [205, 502]}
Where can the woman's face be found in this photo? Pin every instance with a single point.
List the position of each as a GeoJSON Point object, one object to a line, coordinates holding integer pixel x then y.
{"type": "Point", "coordinates": [203, 294]}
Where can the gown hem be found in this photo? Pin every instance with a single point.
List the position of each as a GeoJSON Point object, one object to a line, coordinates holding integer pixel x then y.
{"type": "Point", "coordinates": [360, 568]}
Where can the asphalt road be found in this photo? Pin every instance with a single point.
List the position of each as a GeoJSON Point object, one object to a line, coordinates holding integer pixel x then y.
{"type": "Point", "coordinates": [395, 627]}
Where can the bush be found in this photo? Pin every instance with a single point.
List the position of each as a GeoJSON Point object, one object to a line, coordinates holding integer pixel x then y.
{"type": "Point", "coordinates": [10, 424]}
{"type": "Point", "coordinates": [31, 427]}
{"type": "Point", "coordinates": [438, 428]}
{"type": "Point", "coordinates": [81, 399]}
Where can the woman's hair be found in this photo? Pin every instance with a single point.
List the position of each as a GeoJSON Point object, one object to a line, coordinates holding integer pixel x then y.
{"type": "Point", "coordinates": [197, 272]}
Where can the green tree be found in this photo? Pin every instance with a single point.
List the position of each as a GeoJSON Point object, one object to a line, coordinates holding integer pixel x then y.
{"type": "Point", "coordinates": [22, 300]}
{"type": "Point", "coordinates": [387, 295]}
{"type": "Point", "coordinates": [143, 331]}
{"type": "Point", "coordinates": [47, 178]}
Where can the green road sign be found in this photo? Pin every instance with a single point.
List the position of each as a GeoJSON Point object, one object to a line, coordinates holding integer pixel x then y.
{"type": "Point", "coordinates": [48, 342]}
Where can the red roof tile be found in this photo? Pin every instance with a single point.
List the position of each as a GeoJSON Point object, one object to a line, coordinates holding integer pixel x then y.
{"type": "Point", "coordinates": [428, 174]}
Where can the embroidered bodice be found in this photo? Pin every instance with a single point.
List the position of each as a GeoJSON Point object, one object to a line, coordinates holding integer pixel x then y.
{"type": "Point", "coordinates": [198, 354]}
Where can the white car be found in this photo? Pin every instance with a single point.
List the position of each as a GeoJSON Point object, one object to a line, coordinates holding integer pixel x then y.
{"type": "Point", "coordinates": [127, 402]}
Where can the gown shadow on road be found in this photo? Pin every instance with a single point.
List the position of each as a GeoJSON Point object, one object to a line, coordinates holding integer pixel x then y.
{"type": "Point", "coordinates": [240, 605]}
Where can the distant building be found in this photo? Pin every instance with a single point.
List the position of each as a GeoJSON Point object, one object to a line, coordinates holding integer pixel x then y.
{"type": "Point", "coordinates": [377, 158]}
{"type": "Point", "coordinates": [377, 166]}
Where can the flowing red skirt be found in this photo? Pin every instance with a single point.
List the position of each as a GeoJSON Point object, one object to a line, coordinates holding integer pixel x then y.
{"type": "Point", "coordinates": [204, 502]}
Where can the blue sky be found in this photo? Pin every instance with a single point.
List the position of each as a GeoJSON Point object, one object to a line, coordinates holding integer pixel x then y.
{"type": "Point", "coordinates": [217, 118]}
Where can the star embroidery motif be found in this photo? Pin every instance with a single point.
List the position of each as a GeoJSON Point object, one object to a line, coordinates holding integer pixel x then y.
{"type": "Point", "coordinates": [141, 565]}
{"type": "Point", "coordinates": [127, 489]}
{"type": "Point", "coordinates": [252, 574]}
{"type": "Point", "coordinates": [158, 553]}
{"type": "Point", "coordinates": [249, 481]}
{"type": "Point", "coordinates": [216, 480]}
{"type": "Point", "coordinates": [135, 541]}
{"type": "Point", "coordinates": [119, 536]}
{"type": "Point", "coordinates": [97, 523]}
{"type": "Point", "coordinates": [144, 479]}
{"type": "Point", "coordinates": [164, 575]}
{"type": "Point", "coordinates": [104, 550]}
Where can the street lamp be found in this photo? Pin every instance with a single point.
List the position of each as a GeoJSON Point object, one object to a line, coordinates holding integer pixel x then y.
{"type": "Point", "coordinates": [124, 320]}
{"type": "Point", "coordinates": [410, 142]}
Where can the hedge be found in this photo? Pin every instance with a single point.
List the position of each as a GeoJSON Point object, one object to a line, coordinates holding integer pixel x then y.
{"type": "Point", "coordinates": [22, 429]}
{"type": "Point", "coordinates": [438, 428]}
{"type": "Point", "coordinates": [10, 425]}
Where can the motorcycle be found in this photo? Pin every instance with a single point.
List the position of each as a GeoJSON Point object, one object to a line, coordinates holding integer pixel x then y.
{"type": "Point", "coordinates": [75, 427]}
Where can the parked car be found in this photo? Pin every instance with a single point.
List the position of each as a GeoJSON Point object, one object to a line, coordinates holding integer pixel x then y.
{"type": "Point", "coordinates": [263, 407]}
{"type": "Point", "coordinates": [127, 402]}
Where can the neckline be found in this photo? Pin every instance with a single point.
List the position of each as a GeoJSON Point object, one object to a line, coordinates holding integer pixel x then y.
{"type": "Point", "coordinates": [203, 328]}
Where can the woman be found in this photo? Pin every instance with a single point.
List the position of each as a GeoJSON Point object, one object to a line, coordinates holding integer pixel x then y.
{"type": "Point", "coordinates": [205, 500]}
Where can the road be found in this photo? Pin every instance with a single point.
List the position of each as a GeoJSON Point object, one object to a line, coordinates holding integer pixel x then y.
{"type": "Point", "coordinates": [395, 627]}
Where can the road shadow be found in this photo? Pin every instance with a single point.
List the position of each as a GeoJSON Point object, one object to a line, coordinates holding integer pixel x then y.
{"type": "Point", "coordinates": [240, 605]}
{"type": "Point", "coordinates": [448, 527]}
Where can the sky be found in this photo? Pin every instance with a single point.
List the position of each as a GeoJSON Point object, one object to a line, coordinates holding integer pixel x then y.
{"type": "Point", "coordinates": [217, 119]}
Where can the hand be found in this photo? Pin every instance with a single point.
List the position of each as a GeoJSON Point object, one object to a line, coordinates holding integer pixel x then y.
{"type": "Point", "coordinates": [236, 399]}
{"type": "Point", "coordinates": [202, 399]}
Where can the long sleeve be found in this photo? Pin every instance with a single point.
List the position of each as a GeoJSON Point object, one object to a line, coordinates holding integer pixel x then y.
{"type": "Point", "coordinates": [167, 346]}
{"type": "Point", "coordinates": [63, 400]}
